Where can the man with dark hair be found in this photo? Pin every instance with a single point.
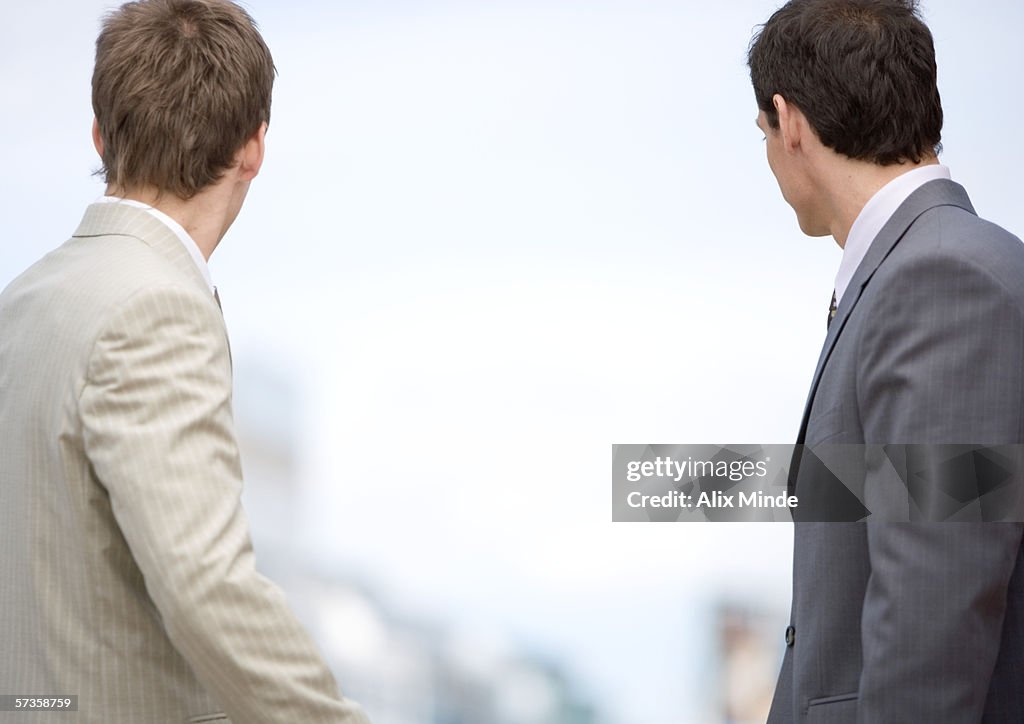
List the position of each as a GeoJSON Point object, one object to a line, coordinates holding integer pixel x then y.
{"type": "Point", "coordinates": [894, 622]}
{"type": "Point", "coordinates": [127, 573]}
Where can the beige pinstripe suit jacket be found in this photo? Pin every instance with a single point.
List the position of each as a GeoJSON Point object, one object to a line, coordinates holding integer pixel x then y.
{"type": "Point", "coordinates": [126, 569]}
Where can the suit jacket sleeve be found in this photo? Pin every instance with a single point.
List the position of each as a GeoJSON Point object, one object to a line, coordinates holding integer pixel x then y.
{"type": "Point", "coordinates": [157, 430]}
{"type": "Point", "coordinates": [942, 363]}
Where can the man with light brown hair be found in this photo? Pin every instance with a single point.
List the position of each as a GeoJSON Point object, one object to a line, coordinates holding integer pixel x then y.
{"type": "Point", "coordinates": [126, 576]}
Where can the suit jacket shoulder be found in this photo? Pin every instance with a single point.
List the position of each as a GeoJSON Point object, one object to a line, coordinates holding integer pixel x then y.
{"type": "Point", "coordinates": [128, 574]}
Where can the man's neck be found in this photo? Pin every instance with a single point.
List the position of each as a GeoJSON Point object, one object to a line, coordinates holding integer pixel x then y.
{"type": "Point", "coordinates": [205, 217]}
{"type": "Point", "coordinates": [851, 185]}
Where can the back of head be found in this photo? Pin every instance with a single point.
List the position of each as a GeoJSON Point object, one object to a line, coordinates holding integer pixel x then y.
{"type": "Point", "coordinates": [862, 72]}
{"type": "Point", "coordinates": [178, 87]}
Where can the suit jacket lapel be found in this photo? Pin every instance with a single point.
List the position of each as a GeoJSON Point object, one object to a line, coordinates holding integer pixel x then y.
{"type": "Point", "coordinates": [940, 192]}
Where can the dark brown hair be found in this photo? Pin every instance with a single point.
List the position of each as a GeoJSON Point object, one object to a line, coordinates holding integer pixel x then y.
{"type": "Point", "coordinates": [862, 72]}
{"type": "Point", "coordinates": [178, 87]}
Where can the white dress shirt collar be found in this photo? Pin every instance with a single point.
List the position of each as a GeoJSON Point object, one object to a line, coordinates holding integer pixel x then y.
{"type": "Point", "coordinates": [876, 212]}
{"type": "Point", "coordinates": [179, 231]}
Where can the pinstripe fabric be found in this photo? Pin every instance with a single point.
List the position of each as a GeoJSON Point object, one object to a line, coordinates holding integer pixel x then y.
{"type": "Point", "coordinates": [126, 573]}
{"type": "Point", "coordinates": [914, 622]}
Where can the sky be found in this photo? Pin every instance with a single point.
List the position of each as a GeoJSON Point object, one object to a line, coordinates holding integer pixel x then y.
{"type": "Point", "coordinates": [491, 239]}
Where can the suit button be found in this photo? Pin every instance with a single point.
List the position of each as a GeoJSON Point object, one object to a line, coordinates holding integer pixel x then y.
{"type": "Point", "coordinates": [790, 635]}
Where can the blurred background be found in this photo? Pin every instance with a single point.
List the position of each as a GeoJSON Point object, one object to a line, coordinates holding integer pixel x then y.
{"type": "Point", "coordinates": [490, 240]}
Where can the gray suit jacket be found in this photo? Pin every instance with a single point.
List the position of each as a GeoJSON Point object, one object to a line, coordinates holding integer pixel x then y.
{"type": "Point", "coordinates": [126, 572]}
{"type": "Point", "coordinates": [914, 622]}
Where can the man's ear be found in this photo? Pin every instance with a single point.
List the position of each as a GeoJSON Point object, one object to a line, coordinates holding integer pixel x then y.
{"type": "Point", "coordinates": [791, 123]}
{"type": "Point", "coordinates": [97, 140]}
{"type": "Point", "coordinates": [250, 156]}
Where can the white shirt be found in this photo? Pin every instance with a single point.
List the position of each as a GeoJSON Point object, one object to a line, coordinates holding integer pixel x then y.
{"type": "Point", "coordinates": [875, 214]}
{"type": "Point", "coordinates": [179, 231]}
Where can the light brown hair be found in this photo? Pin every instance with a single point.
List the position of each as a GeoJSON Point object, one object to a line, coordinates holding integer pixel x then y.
{"type": "Point", "coordinates": [178, 87]}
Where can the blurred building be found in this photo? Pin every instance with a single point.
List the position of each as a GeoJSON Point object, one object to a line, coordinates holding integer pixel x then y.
{"type": "Point", "coordinates": [413, 672]}
{"type": "Point", "coordinates": [748, 651]}
{"type": "Point", "coordinates": [402, 670]}
{"type": "Point", "coordinates": [267, 411]}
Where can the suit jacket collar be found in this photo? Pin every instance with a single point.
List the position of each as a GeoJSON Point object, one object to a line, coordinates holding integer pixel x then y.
{"type": "Point", "coordinates": [940, 192]}
{"type": "Point", "coordinates": [112, 219]}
